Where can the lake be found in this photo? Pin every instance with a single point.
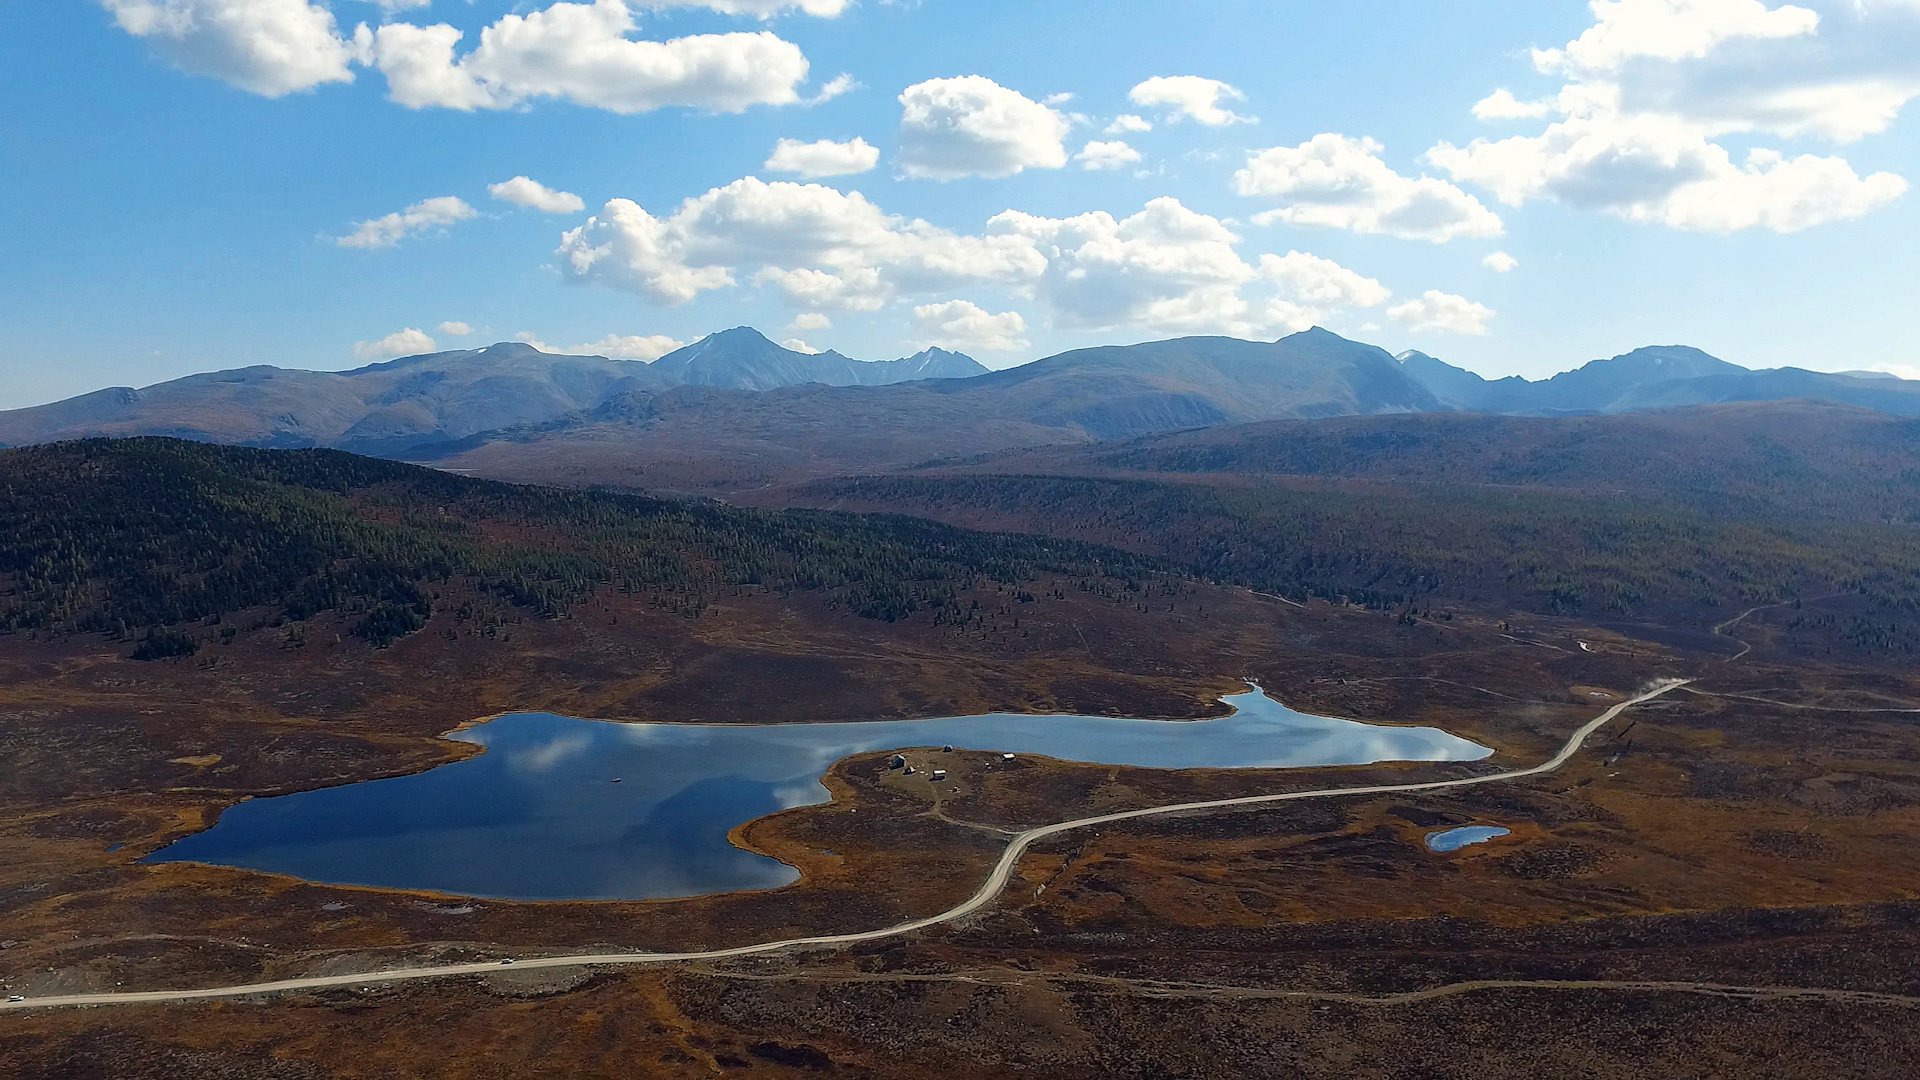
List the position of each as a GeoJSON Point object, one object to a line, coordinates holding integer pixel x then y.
{"type": "Point", "coordinates": [539, 815]}
{"type": "Point", "coordinates": [1464, 836]}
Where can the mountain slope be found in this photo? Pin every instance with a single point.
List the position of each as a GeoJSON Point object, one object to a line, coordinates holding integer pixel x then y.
{"type": "Point", "coordinates": [390, 408]}
{"type": "Point", "coordinates": [736, 412]}
{"type": "Point", "coordinates": [1458, 388]}
{"type": "Point", "coordinates": [722, 441]}
{"type": "Point", "coordinates": [1899, 397]}
{"type": "Point", "coordinates": [1605, 385]}
{"type": "Point", "coordinates": [1688, 515]}
{"type": "Point", "coordinates": [1121, 391]}
{"type": "Point", "coordinates": [1784, 460]}
{"type": "Point", "coordinates": [450, 394]}
{"type": "Point", "coordinates": [1661, 376]}
{"type": "Point", "coordinates": [744, 359]}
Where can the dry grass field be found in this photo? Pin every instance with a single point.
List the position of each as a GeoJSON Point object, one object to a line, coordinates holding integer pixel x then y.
{"type": "Point", "coordinates": [1729, 864]}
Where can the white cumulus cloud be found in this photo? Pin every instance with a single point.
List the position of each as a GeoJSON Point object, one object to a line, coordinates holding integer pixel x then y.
{"type": "Point", "coordinates": [409, 342]}
{"type": "Point", "coordinates": [1769, 190]}
{"type": "Point", "coordinates": [856, 288]}
{"type": "Point", "coordinates": [1100, 155]}
{"type": "Point", "coordinates": [534, 195]}
{"type": "Point", "coordinates": [1172, 269]}
{"type": "Point", "coordinates": [1165, 268]}
{"type": "Point", "coordinates": [1848, 76]}
{"type": "Point", "coordinates": [1660, 170]}
{"type": "Point", "coordinates": [267, 47]}
{"type": "Point", "coordinates": [823, 247]}
{"type": "Point", "coordinates": [1839, 70]}
{"type": "Point", "coordinates": [838, 86]}
{"type": "Point", "coordinates": [973, 126]}
{"type": "Point", "coordinates": [807, 322]}
{"type": "Point", "coordinates": [1652, 85]}
{"type": "Point", "coordinates": [456, 328]}
{"type": "Point", "coordinates": [1500, 263]}
{"type": "Point", "coordinates": [760, 9]}
{"type": "Point", "coordinates": [962, 324]}
{"type": "Point", "coordinates": [1129, 124]}
{"type": "Point", "coordinates": [1311, 279]}
{"type": "Point", "coordinates": [1502, 105]}
{"type": "Point", "coordinates": [1191, 97]}
{"type": "Point", "coordinates": [1626, 30]}
{"type": "Point", "coordinates": [629, 346]}
{"type": "Point", "coordinates": [423, 216]}
{"type": "Point", "coordinates": [1340, 182]}
{"type": "Point", "coordinates": [824, 158]}
{"type": "Point", "coordinates": [584, 53]}
{"type": "Point", "coordinates": [1438, 312]}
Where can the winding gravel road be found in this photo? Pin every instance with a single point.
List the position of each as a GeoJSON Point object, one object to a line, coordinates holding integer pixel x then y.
{"type": "Point", "coordinates": [988, 891]}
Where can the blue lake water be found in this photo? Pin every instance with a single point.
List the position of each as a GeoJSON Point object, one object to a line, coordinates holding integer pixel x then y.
{"type": "Point", "coordinates": [1465, 836]}
{"type": "Point", "coordinates": [538, 816]}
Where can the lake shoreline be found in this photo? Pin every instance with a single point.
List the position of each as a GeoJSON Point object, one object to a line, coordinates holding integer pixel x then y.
{"type": "Point", "coordinates": [706, 778]}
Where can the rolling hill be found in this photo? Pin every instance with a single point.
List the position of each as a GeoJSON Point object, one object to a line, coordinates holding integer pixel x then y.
{"type": "Point", "coordinates": [1682, 516]}
{"type": "Point", "coordinates": [172, 544]}
{"type": "Point", "coordinates": [1777, 460]}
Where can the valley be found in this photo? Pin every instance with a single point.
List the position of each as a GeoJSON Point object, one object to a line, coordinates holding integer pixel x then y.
{"type": "Point", "coordinates": [1690, 848]}
{"type": "Point", "coordinates": [1685, 635]}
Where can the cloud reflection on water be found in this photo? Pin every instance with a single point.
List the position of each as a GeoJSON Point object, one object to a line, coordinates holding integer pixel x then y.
{"type": "Point", "coordinates": [561, 808]}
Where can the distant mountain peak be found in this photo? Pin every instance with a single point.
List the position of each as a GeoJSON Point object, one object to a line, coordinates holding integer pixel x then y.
{"type": "Point", "coordinates": [746, 359]}
{"type": "Point", "coordinates": [1674, 361]}
{"type": "Point", "coordinates": [1312, 333]}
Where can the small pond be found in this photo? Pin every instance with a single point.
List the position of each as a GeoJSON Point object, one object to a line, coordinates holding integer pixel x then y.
{"type": "Point", "coordinates": [1465, 836]}
{"type": "Point", "coordinates": [565, 809]}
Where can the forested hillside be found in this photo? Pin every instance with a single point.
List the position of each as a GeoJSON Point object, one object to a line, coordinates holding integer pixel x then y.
{"type": "Point", "coordinates": [1772, 461]}
{"type": "Point", "coordinates": [1434, 546]}
{"type": "Point", "coordinates": [160, 541]}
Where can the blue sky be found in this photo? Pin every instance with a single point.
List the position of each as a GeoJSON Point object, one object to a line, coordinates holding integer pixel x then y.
{"type": "Point", "coordinates": [185, 184]}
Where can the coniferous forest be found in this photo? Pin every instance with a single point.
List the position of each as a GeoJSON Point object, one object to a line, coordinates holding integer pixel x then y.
{"type": "Point", "coordinates": [1401, 546]}
{"type": "Point", "coordinates": [159, 542]}
{"type": "Point", "coordinates": [138, 539]}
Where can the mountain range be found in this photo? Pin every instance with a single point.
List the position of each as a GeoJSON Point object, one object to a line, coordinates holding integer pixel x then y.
{"type": "Point", "coordinates": [388, 408]}
{"type": "Point", "coordinates": [736, 411]}
{"type": "Point", "coordinates": [1661, 376]}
